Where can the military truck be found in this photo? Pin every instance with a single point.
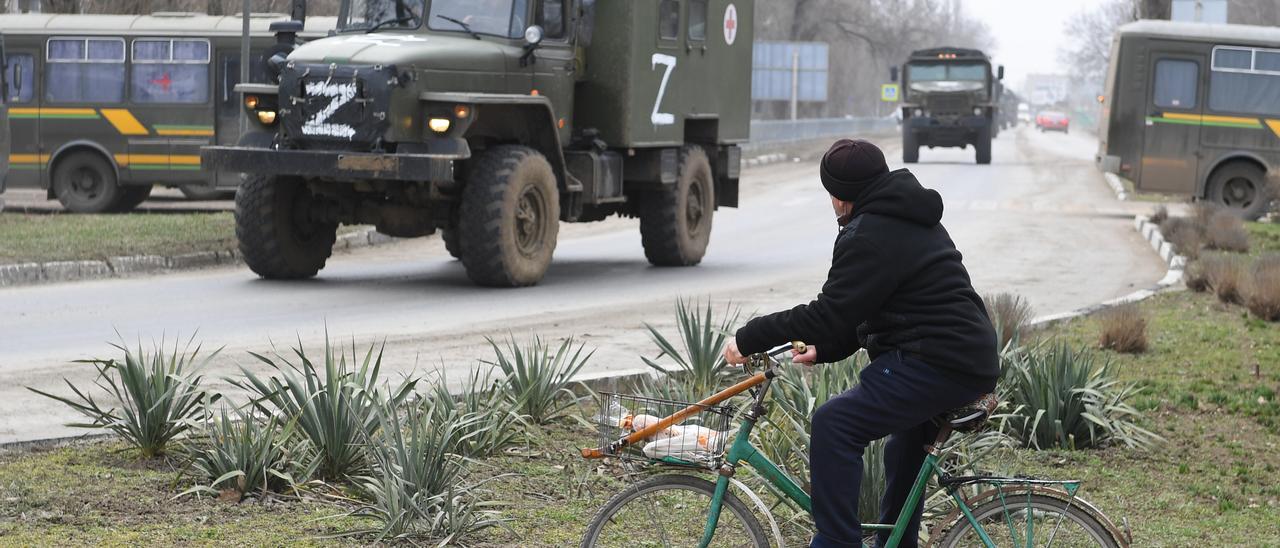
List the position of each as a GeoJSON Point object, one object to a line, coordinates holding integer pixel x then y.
{"type": "Point", "coordinates": [949, 99]}
{"type": "Point", "coordinates": [493, 121]}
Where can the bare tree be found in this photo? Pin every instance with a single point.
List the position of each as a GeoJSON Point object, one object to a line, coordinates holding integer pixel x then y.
{"type": "Point", "coordinates": [1091, 32]}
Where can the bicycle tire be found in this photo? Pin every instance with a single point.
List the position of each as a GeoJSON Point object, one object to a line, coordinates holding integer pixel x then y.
{"type": "Point", "coordinates": [993, 511]}
{"type": "Point", "coordinates": [693, 531]}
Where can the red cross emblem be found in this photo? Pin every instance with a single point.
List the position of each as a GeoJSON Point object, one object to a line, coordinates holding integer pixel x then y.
{"type": "Point", "coordinates": [164, 82]}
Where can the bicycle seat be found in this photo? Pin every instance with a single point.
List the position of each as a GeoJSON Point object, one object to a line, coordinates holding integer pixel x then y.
{"type": "Point", "coordinates": [973, 416]}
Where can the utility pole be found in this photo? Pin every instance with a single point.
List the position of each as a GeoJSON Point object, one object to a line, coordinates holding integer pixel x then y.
{"type": "Point", "coordinates": [795, 81]}
{"type": "Point", "coordinates": [1155, 9]}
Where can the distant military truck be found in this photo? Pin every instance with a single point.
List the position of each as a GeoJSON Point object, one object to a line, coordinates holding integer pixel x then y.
{"type": "Point", "coordinates": [949, 99]}
{"type": "Point", "coordinates": [493, 121]}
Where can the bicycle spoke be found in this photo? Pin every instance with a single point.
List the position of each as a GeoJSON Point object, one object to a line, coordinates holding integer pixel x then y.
{"type": "Point", "coordinates": [1031, 521]}
{"type": "Point", "coordinates": [670, 518]}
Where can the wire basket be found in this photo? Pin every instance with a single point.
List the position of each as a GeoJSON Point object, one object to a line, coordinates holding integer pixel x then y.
{"type": "Point", "coordinates": [698, 440]}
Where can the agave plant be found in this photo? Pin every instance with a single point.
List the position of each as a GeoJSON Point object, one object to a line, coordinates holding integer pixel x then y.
{"type": "Point", "coordinates": [537, 378]}
{"type": "Point", "coordinates": [159, 394]}
{"type": "Point", "coordinates": [334, 405]}
{"type": "Point", "coordinates": [242, 452]}
{"type": "Point", "coordinates": [699, 359]}
{"type": "Point", "coordinates": [496, 423]}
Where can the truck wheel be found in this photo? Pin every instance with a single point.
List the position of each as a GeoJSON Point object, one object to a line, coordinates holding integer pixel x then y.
{"type": "Point", "coordinates": [910, 148]}
{"type": "Point", "coordinates": [451, 243]}
{"type": "Point", "coordinates": [675, 222]}
{"type": "Point", "coordinates": [85, 183]}
{"type": "Point", "coordinates": [982, 147]}
{"type": "Point", "coordinates": [278, 238]}
{"type": "Point", "coordinates": [510, 217]}
{"type": "Point", "coordinates": [1241, 188]}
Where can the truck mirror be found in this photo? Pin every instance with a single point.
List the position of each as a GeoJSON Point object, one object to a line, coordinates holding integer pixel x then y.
{"type": "Point", "coordinates": [532, 36]}
{"type": "Point", "coordinates": [893, 74]}
{"type": "Point", "coordinates": [1000, 73]}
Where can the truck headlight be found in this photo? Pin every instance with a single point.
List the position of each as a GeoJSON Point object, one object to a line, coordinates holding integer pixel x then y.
{"type": "Point", "coordinates": [439, 125]}
{"type": "Point", "coordinates": [977, 111]}
{"type": "Point", "coordinates": [917, 112]}
{"type": "Point", "coordinates": [267, 117]}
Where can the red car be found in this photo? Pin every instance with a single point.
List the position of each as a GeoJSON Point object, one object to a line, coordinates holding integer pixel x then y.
{"type": "Point", "coordinates": [1050, 120]}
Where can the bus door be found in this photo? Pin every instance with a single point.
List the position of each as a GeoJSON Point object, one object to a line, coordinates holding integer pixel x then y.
{"type": "Point", "coordinates": [26, 159]}
{"type": "Point", "coordinates": [172, 94]}
{"type": "Point", "coordinates": [1171, 138]}
{"type": "Point", "coordinates": [4, 118]}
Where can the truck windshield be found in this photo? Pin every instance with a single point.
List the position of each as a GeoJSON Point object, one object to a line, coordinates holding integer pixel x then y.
{"type": "Point", "coordinates": [382, 14]}
{"type": "Point", "coordinates": [505, 18]}
{"type": "Point", "coordinates": [946, 77]}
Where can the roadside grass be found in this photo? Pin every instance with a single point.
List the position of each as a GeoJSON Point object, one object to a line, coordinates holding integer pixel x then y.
{"type": "Point", "coordinates": [1265, 237]}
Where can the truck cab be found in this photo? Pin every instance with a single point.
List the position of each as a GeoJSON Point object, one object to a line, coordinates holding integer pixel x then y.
{"type": "Point", "coordinates": [492, 121]}
{"type": "Point", "coordinates": [950, 98]}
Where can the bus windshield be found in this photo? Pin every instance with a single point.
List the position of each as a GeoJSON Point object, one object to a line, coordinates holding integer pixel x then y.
{"type": "Point", "coordinates": [505, 18]}
{"type": "Point", "coordinates": [946, 77]}
{"type": "Point", "coordinates": [382, 14]}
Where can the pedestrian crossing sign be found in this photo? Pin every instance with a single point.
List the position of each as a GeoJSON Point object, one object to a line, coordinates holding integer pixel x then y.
{"type": "Point", "coordinates": [889, 93]}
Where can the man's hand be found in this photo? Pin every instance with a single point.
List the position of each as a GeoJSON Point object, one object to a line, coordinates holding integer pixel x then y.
{"type": "Point", "coordinates": [809, 357]}
{"type": "Point", "coordinates": [732, 355]}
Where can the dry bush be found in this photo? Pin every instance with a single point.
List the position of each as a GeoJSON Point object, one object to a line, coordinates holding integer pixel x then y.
{"type": "Point", "coordinates": [1202, 213]}
{"type": "Point", "coordinates": [1124, 329]}
{"type": "Point", "coordinates": [1195, 276]}
{"type": "Point", "coordinates": [1009, 313]}
{"type": "Point", "coordinates": [1161, 214]}
{"type": "Point", "coordinates": [1184, 235]}
{"type": "Point", "coordinates": [1262, 292]}
{"type": "Point", "coordinates": [1226, 232]}
{"type": "Point", "coordinates": [1226, 275]}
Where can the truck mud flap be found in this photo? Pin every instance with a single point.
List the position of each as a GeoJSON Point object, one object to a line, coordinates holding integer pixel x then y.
{"type": "Point", "coordinates": [330, 164]}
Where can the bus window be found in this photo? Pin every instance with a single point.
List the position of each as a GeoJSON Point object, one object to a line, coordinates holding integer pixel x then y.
{"type": "Point", "coordinates": [1175, 83]}
{"type": "Point", "coordinates": [170, 71]}
{"type": "Point", "coordinates": [20, 75]}
{"type": "Point", "coordinates": [1245, 80]}
{"type": "Point", "coordinates": [85, 70]}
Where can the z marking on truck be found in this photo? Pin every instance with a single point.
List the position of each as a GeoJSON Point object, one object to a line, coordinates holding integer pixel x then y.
{"type": "Point", "coordinates": [339, 94]}
{"type": "Point", "coordinates": [662, 118]}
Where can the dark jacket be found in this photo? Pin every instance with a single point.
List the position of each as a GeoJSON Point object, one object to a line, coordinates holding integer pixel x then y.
{"type": "Point", "coordinates": [896, 283]}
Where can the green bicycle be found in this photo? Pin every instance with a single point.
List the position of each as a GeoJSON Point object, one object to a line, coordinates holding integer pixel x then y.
{"type": "Point", "coordinates": [682, 509]}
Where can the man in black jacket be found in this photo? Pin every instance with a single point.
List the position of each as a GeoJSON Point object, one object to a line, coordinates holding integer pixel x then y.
{"type": "Point", "coordinates": [896, 287]}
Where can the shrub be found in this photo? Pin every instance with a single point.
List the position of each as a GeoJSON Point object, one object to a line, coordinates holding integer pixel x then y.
{"type": "Point", "coordinates": [335, 407]}
{"type": "Point", "coordinates": [1124, 329]}
{"type": "Point", "coordinates": [700, 359]}
{"type": "Point", "coordinates": [1066, 399]}
{"type": "Point", "coordinates": [1009, 314]}
{"type": "Point", "coordinates": [1196, 277]}
{"type": "Point", "coordinates": [1226, 273]}
{"type": "Point", "coordinates": [1263, 288]}
{"type": "Point", "coordinates": [159, 393]}
{"type": "Point", "coordinates": [537, 379]}
{"type": "Point", "coordinates": [1160, 215]}
{"type": "Point", "coordinates": [1226, 232]}
{"type": "Point", "coordinates": [240, 454]}
{"type": "Point", "coordinates": [496, 423]}
{"type": "Point", "coordinates": [1202, 213]}
{"type": "Point", "coordinates": [1186, 238]}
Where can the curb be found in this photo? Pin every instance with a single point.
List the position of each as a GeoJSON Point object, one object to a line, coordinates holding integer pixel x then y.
{"type": "Point", "coordinates": [1116, 185]}
{"type": "Point", "coordinates": [120, 267]}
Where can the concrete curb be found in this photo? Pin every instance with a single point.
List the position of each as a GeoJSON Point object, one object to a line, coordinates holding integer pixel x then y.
{"type": "Point", "coordinates": [121, 267]}
{"type": "Point", "coordinates": [1116, 185]}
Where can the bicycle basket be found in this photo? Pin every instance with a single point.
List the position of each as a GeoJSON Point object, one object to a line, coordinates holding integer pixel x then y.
{"type": "Point", "coordinates": [698, 440]}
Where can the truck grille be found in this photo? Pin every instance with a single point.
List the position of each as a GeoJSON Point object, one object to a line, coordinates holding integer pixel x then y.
{"type": "Point", "coordinates": [948, 104]}
{"type": "Point", "coordinates": [335, 106]}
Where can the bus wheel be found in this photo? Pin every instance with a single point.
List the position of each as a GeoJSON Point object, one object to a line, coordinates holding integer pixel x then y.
{"type": "Point", "coordinates": [85, 183]}
{"type": "Point", "coordinates": [982, 147]}
{"type": "Point", "coordinates": [131, 197]}
{"type": "Point", "coordinates": [675, 222]}
{"type": "Point", "coordinates": [279, 238]}
{"type": "Point", "coordinates": [1242, 188]}
{"type": "Point", "coordinates": [509, 217]}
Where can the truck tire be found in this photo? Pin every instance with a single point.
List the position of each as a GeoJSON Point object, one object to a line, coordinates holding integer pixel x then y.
{"type": "Point", "coordinates": [451, 243]}
{"type": "Point", "coordinates": [1242, 188]}
{"type": "Point", "coordinates": [982, 147]}
{"type": "Point", "coordinates": [910, 147]}
{"type": "Point", "coordinates": [509, 218]}
{"type": "Point", "coordinates": [278, 239]}
{"type": "Point", "coordinates": [86, 183]}
{"type": "Point", "coordinates": [675, 222]}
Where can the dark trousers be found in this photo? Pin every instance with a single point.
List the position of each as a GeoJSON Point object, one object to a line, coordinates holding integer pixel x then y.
{"type": "Point", "coordinates": [897, 396]}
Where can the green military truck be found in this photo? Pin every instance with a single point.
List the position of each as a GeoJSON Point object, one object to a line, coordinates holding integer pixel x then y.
{"type": "Point", "coordinates": [493, 121]}
{"type": "Point", "coordinates": [949, 99]}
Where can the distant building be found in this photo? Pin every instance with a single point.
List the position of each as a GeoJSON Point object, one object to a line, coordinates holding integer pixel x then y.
{"type": "Point", "coordinates": [1046, 89]}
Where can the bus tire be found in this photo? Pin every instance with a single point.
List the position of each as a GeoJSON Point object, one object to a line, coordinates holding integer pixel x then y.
{"type": "Point", "coordinates": [675, 222]}
{"type": "Point", "coordinates": [509, 218]}
{"type": "Point", "coordinates": [277, 240]}
{"type": "Point", "coordinates": [1242, 188]}
{"type": "Point", "coordinates": [910, 147]}
{"type": "Point", "coordinates": [131, 197]}
{"type": "Point", "coordinates": [86, 183]}
{"type": "Point", "coordinates": [982, 147]}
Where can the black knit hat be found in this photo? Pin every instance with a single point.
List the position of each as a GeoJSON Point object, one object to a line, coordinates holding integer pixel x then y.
{"type": "Point", "coordinates": [849, 166]}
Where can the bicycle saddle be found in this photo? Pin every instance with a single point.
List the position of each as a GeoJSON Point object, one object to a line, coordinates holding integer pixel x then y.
{"type": "Point", "coordinates": [973, 416]}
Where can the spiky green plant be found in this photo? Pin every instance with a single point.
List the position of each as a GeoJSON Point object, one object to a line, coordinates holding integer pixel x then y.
{"type": "Point", "coordinates": [1069, 399]}
{"type": "Point", "coordinates": [242, 452]}
{"type": "Point", "coordinates": [334, 404]}
{"type": "Point", "coordinates": [538, 378]}
{"type": "Point", "coordinates": [699, 359]}
{"type": "Point", "coordinates": [159, 394]}
{"type": "Point", "coordinates": [497, 424]}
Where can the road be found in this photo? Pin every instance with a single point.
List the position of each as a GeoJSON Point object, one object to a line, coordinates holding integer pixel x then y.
{"type": "Point", "coordinates": [1039, 221]}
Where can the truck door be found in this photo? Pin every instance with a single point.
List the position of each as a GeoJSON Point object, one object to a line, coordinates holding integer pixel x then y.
{"type": "Point", "coordinates": [227, 103]}
{"type": "Point", "coordinates": [553, 70]}
{"type": "Point", "coordinates": [22, 141]}
{"type": "Point", "coordinates": [4, 118]}
{"type": "Point", "coordinates": [1171, 138]}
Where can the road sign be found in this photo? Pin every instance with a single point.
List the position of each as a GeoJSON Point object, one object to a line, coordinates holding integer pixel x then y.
{"type": "Point", "coordinates": [889, 93]}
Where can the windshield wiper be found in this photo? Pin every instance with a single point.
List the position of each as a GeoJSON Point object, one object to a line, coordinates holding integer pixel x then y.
{"type": "Point", "coordinates": [397, 21]}
{"type": "Point", "coordinates": [460, 23]}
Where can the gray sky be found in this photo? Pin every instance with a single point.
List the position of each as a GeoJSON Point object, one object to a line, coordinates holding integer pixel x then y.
{"type": "Point", "coordinates": [1028, 32]}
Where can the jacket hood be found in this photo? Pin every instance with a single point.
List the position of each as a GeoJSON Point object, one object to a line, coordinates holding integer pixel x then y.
{"type": "Point", "coordinates": [899, 194]}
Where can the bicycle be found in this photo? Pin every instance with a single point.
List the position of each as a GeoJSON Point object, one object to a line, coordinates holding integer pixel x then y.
{"type": "Point", "coordinates": [682, 509]}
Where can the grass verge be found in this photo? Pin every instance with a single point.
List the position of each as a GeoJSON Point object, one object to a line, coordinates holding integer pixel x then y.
{"type": "Point", "coordinates": [1265, 237]}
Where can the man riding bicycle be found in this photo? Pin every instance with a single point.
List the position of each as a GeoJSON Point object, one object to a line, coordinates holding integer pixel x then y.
{"type": "Point", "coordinates": [897, 287]}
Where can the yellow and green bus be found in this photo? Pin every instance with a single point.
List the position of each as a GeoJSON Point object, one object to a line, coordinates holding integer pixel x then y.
{"type": "Point", "coordinates": [105, 107]}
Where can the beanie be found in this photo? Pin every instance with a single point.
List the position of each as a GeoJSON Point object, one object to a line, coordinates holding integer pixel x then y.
{"type": "Point", "coordinates": [849, 166]}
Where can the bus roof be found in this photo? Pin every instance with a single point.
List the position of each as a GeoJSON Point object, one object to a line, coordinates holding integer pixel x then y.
{"type": "Point", "coordinates": [1202, 32]}
{"type": "Point", "coordinates": [166, 22]}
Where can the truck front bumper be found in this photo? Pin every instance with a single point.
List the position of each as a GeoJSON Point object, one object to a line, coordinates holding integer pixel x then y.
{"type": "Point", "coordinates": [436, 168]}
{"type": "Point", "coordinates": [958, 131]}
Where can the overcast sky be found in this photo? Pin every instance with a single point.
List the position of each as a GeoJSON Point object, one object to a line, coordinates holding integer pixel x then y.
{"type": "Point", "coordinates": [1028, 32]}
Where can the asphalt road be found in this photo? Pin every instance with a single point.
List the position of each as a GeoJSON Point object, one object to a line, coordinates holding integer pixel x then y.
{"type": "Point", "coordinates": [1039, 221]}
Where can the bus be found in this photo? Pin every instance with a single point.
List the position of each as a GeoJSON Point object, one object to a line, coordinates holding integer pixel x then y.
{"type": "Point", "coordinates": [106, 107]}
{"type": "Point", "coordinates": [1194, 109]}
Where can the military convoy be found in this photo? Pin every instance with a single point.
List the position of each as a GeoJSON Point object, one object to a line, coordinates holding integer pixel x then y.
{"type": "Point", "coordinates": [493, 121]}
{"type": "Point", "coordinates": [949, 99]}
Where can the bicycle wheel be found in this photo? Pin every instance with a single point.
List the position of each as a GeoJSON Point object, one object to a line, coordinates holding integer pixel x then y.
{"type": "Point", "coordinates": [1051, 520]}
{"type": "Point", "coordinates": [671, 511]}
